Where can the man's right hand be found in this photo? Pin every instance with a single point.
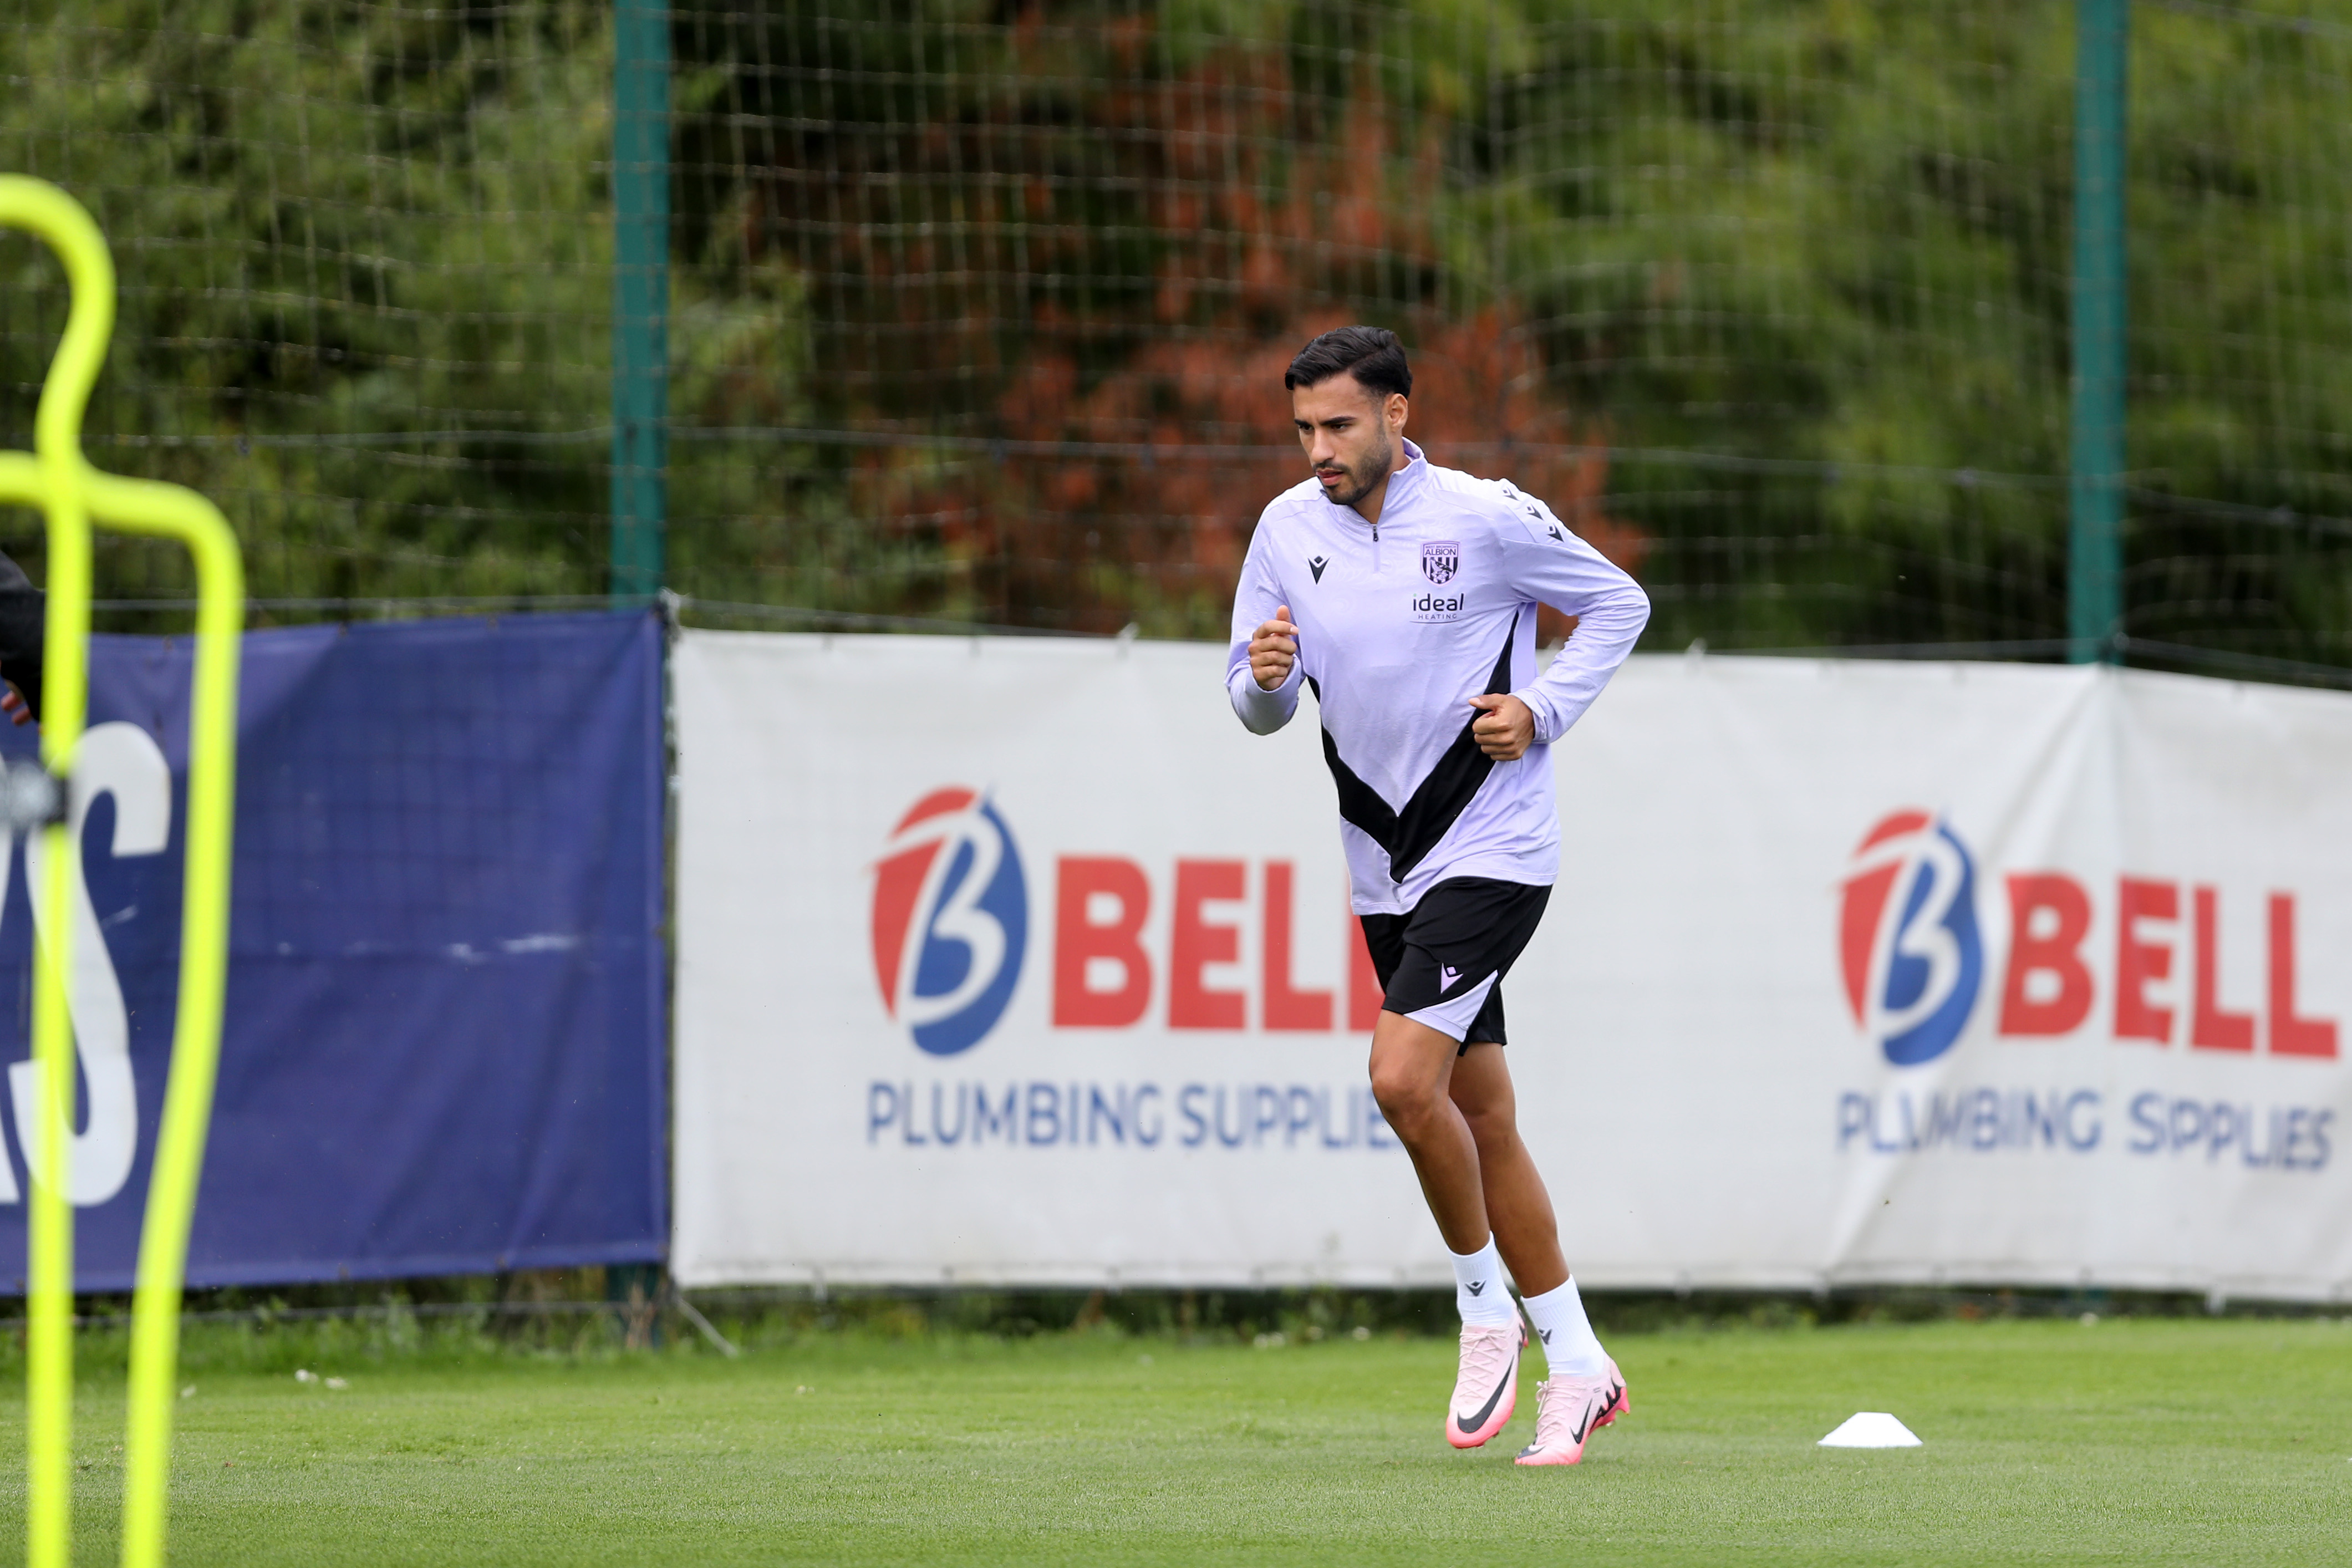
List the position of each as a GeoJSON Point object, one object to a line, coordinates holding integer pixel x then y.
{"type": "Point", "coordinates": [1273, 650]}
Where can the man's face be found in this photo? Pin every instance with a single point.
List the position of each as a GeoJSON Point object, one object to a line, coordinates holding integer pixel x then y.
{"type": "Point", "coordinates": [1350, 434]}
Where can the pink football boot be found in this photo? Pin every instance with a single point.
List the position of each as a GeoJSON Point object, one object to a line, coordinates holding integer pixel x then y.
{"type": "Point", "coordinates": [1569, 1411]}
{"type": "Point", "coordinates": [1487, 1390]}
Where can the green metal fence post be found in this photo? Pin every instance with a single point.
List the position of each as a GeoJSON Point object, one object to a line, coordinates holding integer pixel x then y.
{"type": "Point", "coordinates": [640, 294]}
{"type": "Point", "coordinates": [2095, 489]}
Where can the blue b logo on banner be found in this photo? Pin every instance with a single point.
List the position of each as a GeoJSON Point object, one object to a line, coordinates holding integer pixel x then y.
{"type": "Point", "coordinates": [950, 920]}
{"type": "Point", "coordinates": [1911, 981]}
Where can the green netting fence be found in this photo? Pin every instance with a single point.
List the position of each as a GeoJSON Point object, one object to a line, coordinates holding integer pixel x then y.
{"type": "Point", "coordinates": [977, 311]}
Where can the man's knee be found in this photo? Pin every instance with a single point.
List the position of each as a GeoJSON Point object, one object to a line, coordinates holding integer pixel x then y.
{"type": "Point", "coordinates": [1407, 1096]}
{"type": "Point", "coordinates": [1494, 1125]}
{"type": "Point", "coordinates": [1484, 1097]}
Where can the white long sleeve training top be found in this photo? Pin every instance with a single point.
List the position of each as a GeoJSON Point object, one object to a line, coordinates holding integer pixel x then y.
{"type": "Point", "coordinates": [1400, 625]}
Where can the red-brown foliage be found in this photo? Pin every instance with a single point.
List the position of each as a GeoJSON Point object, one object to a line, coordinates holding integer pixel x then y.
{"type": "Point", "coordinates": [1142, 418]}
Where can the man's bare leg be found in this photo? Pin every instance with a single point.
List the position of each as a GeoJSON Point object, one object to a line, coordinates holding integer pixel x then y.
{"type": "Point", "coordinates": [1413, 1065]}
{"type": "Point", "coordinates": [1518, 1206]}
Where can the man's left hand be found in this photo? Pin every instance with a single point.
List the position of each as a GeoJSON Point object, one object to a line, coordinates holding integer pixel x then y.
{"type": "Point", "coordinates": [1505, 727]}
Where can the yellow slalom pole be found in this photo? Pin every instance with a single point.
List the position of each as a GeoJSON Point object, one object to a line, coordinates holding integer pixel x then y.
{"type": "Point", "coordinates": [62, 483]}
{"type": "Point", "coordinates": [182, 514]}
{"type": "Point", "coordinates": [58, 468]}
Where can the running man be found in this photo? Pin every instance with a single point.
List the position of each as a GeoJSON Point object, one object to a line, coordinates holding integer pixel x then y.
{"type": "Point", "coordinates": [1405, 594]}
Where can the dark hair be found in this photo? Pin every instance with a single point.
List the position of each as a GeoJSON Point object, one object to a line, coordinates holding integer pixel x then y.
{"type": "Point", "coordinates": [1371, 354]}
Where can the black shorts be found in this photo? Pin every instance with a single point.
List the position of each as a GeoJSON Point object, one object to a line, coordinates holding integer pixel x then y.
{"type": "Point", "coordinates": [1443, 961]}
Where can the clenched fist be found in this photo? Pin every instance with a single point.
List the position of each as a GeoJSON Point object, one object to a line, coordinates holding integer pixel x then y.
{"type": "Point", "coordinates": [1504, 728]}
{"type": "Point", "coordinates": [1273, 650]}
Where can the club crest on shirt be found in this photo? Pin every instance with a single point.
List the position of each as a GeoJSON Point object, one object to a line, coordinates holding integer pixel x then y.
{"type": "Point", "coordinates": [1440, 559]}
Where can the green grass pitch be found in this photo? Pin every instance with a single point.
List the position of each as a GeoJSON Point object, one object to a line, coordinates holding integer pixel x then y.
{"type": "Point", "coordinates": [2046, 1442]}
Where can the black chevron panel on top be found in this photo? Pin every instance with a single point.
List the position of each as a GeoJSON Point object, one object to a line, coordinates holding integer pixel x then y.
{"type": "Point", "coordinates": [1437, 801]}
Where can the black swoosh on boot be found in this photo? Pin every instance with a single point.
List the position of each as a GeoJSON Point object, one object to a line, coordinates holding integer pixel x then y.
{"type": "Point", "coordinates": [1492, 1400]}
{"type": "Point", "coordinates": [1591, 1411]}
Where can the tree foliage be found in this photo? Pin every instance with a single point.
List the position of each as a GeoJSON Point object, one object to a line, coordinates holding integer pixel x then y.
{"type": "Point", "coordinates": [1773, 298]}
{"type": "Point", "coordinates": [363, 276]}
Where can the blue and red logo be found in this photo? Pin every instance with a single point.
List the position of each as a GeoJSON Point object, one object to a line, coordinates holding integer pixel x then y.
{"type": "Point", "coordinates": [1908, 937]}
{"type": "Point", "coordinates": [950, 920]}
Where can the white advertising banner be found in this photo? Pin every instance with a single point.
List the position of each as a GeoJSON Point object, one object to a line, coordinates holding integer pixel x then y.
{"type": "Point", "coordinates": [1020, 961]}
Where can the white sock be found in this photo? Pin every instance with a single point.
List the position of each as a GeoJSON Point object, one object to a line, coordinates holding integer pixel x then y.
{"type": "Point", "coordinates": [1479, 1293]}
{"type": "Point", "coordinates": [1566, 1333]}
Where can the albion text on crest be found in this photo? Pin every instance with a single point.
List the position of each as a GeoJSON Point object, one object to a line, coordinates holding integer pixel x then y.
{"type": "Point", "coordinates": [1440, 559]}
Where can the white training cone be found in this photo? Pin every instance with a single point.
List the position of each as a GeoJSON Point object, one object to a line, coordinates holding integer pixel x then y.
{"type": "Point", "coordinates": [1871, 1429]}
